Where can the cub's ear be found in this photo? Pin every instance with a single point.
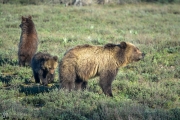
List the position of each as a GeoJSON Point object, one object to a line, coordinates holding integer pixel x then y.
{"type": "Point", "coordinates": [123, 45]}
{"type": "Point", "coordinates": [23, 18]}
{"type": "Point", "coordinates": [46, 58]}
{"type": "Point", "coordinates": [109, 45]}
{"type": "Point", "coordinates": [55, 58]}
{"type": "Point", "coordinates": [30, 17]}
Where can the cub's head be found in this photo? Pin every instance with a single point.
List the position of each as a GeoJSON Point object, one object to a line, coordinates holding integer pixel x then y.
{"type": "Point", "coordinates": [51, 64]}
{"type": "Point", "coordinates": [26, 21]}
{"type": "Point", "coordinates": [131, 52]}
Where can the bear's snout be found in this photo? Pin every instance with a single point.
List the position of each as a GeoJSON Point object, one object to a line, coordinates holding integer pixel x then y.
{"type": "Point", "coordinates": [143, 55]}
{"type": "Point", "coordinates": [20, 25]}
{"type": "Point", "coordinates": [139, 57]}
{"type": "Point", "coordinates": [51, 71]}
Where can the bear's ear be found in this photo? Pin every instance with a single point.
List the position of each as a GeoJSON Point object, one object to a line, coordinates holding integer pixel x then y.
{"type": "Point", "coordinates": [23, 18]}
{"type": "Point", "coordinates": [123, 45]}
{"type": "Point", "coordinates": [46, 58]}
{"type": "Point", "coordinates": [30, 17]}
{"type": "Point", "coordinates": [55, 58]}
{"type": "Point", "coordinates": [109, 45]}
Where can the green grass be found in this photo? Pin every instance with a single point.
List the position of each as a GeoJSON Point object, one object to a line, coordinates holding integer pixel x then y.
{"type": "Point", "coordinates": [149, 89]}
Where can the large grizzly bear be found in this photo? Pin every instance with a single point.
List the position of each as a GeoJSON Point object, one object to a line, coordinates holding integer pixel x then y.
{"type": "Point", "coordinates": [84, 62]}
{"type": "Point", "coordinates": [43, 67]}
{"type": "Point", "coordinates": [28, 41]}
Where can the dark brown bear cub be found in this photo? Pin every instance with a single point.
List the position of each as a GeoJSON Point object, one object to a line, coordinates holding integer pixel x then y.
{"type": "Point", "coordinates": [28, 41]}
{"type": "Point", "coordinates": [43, 67]}
{"type": "Point", "coordinates": [84, 62]}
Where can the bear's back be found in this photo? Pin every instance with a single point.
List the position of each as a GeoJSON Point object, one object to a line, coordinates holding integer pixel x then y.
{"type": "Point", "coordinates": [82, 51]}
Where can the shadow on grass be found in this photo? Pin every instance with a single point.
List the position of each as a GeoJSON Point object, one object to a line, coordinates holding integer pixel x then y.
{"type": "Point", "coordinates": [33, 89]}
{"type": "Point", "coordinates": [28, 86]}
{"type": "Point", "coordinates": [6, 80]}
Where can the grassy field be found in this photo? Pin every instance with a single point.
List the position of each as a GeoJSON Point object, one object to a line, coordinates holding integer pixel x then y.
{"type": "Point", "coordinates": [147, 90]}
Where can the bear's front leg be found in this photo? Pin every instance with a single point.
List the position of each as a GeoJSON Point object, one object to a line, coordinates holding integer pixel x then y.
{"type": "Point", "coordinates": [36, 77]}
{"type": "Point", "coordinates": [106, 79]}
{"type": "Point", "coordinates": [43, 80]}
{"type": "Point", "coordinates": [50, 78]}
{"type": "Point", "coordinates": [106, 88]}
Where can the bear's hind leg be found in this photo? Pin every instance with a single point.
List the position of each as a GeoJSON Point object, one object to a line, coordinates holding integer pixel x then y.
{"type": "Point", "coordinates": [80, 84]}
{"type": "Point", "coordinates": [84, 85]}
{"type": "Point", "coordinates": [28, 60]}
{"type": "Point", "coordinates": [22, 60]}
{"type": "Point", "coordinates": [71, 86]}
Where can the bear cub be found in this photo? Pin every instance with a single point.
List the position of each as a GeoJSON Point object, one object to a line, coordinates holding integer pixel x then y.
{"type": "Point", "coordinates": [43, 67]}
{"type": "Point", "coordinates": [28, 41]}
{"type": "Point", "coordinates": [87, 61]}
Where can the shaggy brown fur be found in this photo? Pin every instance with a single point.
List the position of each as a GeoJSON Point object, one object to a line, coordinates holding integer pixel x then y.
{"type": "Point", "coordinates": [28, 41]}
{"type": "Point", "coordinates": [84, 62]}
{"type": "Point", "coordinates": [43, 67]}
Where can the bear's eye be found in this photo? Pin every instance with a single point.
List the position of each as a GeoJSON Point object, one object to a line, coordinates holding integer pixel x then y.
{"type": "Point", "coordinates": [51, 68]}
